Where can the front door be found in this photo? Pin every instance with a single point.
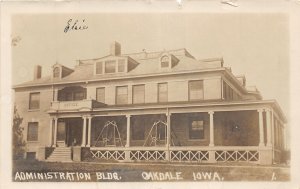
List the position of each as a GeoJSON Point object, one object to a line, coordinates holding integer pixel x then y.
{"type": "Point", "coordinates": [61, 134]}
{"type": "Point", "coordinates": [74, 132]}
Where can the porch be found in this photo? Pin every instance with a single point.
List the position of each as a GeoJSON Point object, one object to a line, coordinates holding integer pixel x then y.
{"type": "Point", "coordinates": [237, 136]}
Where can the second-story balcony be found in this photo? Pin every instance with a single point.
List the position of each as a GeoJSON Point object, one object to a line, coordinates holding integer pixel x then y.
{"type": "Point", "coordinates": [79, 105]}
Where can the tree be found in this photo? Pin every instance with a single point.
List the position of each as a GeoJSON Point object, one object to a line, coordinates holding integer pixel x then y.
{"type": "Point", "coordinates": [18, 141]}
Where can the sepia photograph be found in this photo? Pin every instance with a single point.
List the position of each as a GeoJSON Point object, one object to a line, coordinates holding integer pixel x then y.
{"type": "Point", "coordinates": [150, 97]}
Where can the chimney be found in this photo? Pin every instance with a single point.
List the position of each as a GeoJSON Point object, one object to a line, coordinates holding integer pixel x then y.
{"type": "Point", "coordinates": [37, 72]}
{"type": "Point", "coordinates": [115, 49]}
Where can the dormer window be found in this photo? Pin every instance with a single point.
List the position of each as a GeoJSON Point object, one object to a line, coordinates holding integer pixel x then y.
{"type": "Point", "coordinates": [164, 61]}
{"type": "Point", "coordinates": [56, 72]}
{"type": "Point", "coordinates": [121, 65]}
{"type": "Point", "coordinates": [114, 65]}
{"type": "Point", "coordinates": [110, 66]}
{"type": "Point", "coordinates": [99, 67]}
{"type": "Point", "coordinates": [59, 71]}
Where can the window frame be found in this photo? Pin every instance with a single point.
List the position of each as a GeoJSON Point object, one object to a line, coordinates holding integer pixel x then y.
{"type": "Point", "coordinates": [30, 101]}
{"type": "Point", "coordinates": [116, 97]}
{"type": "Point", "coordinates": [115, 66]}
{"type": "Point", "coordinates": [161, 62]}
{"type": "Point", "coordinates": [96, 66]}
{"type": "Point", "coordinates": [98, 88]}
{"type": "Point", "coordinates": [121, 61]}
{"type": "Point", "coordinates": [31, 138]}
{"type": "Point", "coordinates": [189, 90]}
{"type": "Point", "coordinates": [56, 70]}
{"type": "Point", "coordinates": [189, 129]}
{"type": "Point", "coordinates": [158, 92]}
{"type": "Point", "coordinates": [133, 94]}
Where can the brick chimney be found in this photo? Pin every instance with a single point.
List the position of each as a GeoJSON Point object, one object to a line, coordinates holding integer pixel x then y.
{"type": "Point", "coordinates": [115, 49]}
{"type": "Point", "coordinates": [37, 72]}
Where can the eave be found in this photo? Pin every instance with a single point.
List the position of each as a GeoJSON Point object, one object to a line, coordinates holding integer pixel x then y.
{"type": "Point", "coordinates": [127, 77]}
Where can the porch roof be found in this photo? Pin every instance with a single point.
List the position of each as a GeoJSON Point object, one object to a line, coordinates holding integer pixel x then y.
{"type": "Point", "coordinates": [181, 107]}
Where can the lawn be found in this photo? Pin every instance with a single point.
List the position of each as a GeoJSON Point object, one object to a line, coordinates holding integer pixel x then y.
{"type": "Point", "coordinates": [36, 171]}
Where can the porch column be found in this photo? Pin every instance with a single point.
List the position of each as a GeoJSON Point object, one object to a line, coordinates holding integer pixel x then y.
{"type": "Point", "coordinates": [168, 129]}
{"type": "Point", "coordinates": [128, 131]}
{"type": "Point", "coordinates": [168, 136]}
{"type": "Point", "coordinates": [55, 94]}
{"type": "Point", "coordinates": [83, 141]}
{"type": "Point", "coordinates": [89, 131]}
{"type": "Point", "coordinates": [211, 128]}
{"type": "Point", "coordinates": [269, 131]}
{"type": "Point", "coordinates": [55, 131]}
{"type": "Point", "coordinates": [261, 127]}
{"type": "Point", "coordinates": [51, 132]}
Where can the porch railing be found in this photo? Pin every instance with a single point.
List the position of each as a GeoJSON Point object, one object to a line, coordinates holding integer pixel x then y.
{"type": "Point", "coordinates": [179, 154]}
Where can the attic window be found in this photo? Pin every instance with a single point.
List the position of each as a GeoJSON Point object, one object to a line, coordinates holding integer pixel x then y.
{"type": "Point", "coordinates": [110, 66]}
{"type": "Point", "coordinates": [56, 72]}
{"type": "Point", "coordinates": [99, 68]}
{"type": "Point", "coordinates": [121, 65]}
{"type": "Point", "coordinates": [164, 61]}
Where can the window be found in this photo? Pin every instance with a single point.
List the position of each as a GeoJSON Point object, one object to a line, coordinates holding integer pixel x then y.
{"type": "Point", "coordinates": [122, 95]}
{"type": "Point", "coordinates": [56, 72]}
{"type": "Point", "coordinates": [196, 129]}
{"type": "Point", "coordinates": [100, 94]}
{"type": "Point", "coordinates": [72, 93]}
{"type": "Point", "coordinates": [196, 90]}
{"type": "Point", "coordinates": [110, 66]}
{"type": "Point", "coordinates": [164, 62]}
{"type": "Point", "coordinates": [138, 94]}
{"type": "Point", "coordinates": [121, 65]}
{"type": "Point", "coordinates": [99, 69]}
{"type": "Point", "coordinates": [34, 101]}
{"type": "Point", "coordinates": [79, 95]}
{"type": "Point", "coordinates": [229, 93]}
{"type": "Point", "coordinates": [32, 132]}
{"type": "Point", "coordinates": [162, 92]}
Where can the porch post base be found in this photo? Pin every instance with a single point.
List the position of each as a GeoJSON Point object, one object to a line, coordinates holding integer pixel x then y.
{"type": "Point", "coordinates": [54, 145]}
{"type": "Point", "coordinates": [261, 145]}
{"type": "Point", "coordinates": [77, 153]}
{"type": "Point", "coordinates": [168, 158]}
{"type": "Point", "coordinates": [211, 145]}
{"type": "Point", "coordinates": [212, 158]}
{"type": "Point", "coordinates": [88, 145]}
{"type": "Point", "coordinates": [127, 156]}
{"type": "Point", "coordinates": [269, 145]}
{"type": "Point", "coordinates": [265, 156]}
{"type": "Point", "coordinates": [41, 153]}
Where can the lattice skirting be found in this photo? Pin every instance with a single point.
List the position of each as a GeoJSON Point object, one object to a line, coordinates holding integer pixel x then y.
{"type": "Point", "coordinates": [109, 155]}
{"type": "Point", "coordinates": [179, 155]}
{"type": "Point", "coordinates": [145, 155]}
{"type": "Point", "coordinates": [189, 156]}
{"type": "Point", "coordinates": [233, 156]}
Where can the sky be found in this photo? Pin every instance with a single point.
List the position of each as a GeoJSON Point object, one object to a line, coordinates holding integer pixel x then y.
{"type": "Point", "coordinates": [252, 44]}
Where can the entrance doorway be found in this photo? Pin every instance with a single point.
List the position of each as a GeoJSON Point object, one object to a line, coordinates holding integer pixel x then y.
{"type": "Point", "coordinates": [69, 132]}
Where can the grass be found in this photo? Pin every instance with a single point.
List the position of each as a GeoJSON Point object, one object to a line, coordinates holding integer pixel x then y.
{"type": "Point", "coordinates": [134, 172]}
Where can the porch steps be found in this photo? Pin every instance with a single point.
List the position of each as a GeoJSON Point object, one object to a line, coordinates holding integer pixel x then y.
{"type": "Point", "coordinates": [61, 154]}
